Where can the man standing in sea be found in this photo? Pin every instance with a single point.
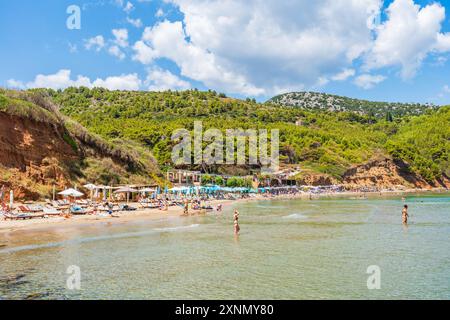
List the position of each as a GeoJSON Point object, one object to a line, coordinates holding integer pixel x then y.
{"type": "Point", "coordinates": [405, 215]}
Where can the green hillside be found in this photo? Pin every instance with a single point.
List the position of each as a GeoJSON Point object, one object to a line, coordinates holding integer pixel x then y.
{"type": "Point", "coordinates": [60, 150]}
{"type": "Point", "coordinates": [327, 142]}
{"type": "Point", "coordinates": [326, 102]}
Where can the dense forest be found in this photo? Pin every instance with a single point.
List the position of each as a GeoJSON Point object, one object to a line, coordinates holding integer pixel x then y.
{"type": "Point", "coordinates": [321, 140]}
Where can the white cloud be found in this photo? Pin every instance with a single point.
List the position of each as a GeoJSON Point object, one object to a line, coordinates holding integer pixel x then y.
{"type": "Point", "coordinates": [225, 43]}
{"type": "Point", "coordinates": [159, 13]}
{"type": "Point", "coordinates": [344, 75]}
{"type": "Point", "coordinates": [128, 7]}
{"type": "Point", "coordinates": [143, 53]}
{"type": "Point", "coordinates": [167, 40]}
{"type": "Point", "coordinates": [135, 22]}
{"type": "Point", "coordinates": [123, 82]}
{"type": "Point", "coordinates": [62, 79]}
{"type": "Point", "coordinates": [97, 43]}
{"type": "Point", "coordinates": [367, 81]}
{"type": "Point", "coordinates": [446, 89]}
{"type": "Point", "coordinates": [160, 80]}
{"type": "Point", "coordinates": [121, 37]}
{"type": "Point", "coordinates": [116, 52]}
{"type": "Point", "coordinates": [407, 37]}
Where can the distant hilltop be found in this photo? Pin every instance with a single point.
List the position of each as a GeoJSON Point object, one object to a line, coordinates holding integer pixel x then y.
{"type": "Point", "coordinates": [327, 102]}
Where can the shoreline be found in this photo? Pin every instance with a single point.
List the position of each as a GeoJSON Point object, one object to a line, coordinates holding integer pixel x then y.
{"type": "Point", "coordinates": [43, 224]}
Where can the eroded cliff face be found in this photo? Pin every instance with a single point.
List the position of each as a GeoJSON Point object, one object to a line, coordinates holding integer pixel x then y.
{"type": "Point", "coordinates": [33, 155]}
{"type": "Point", "coordinates": [315, 179]}
{"type": "Point", "coordinates": [386, 173]}
{"type": "Point", "coordinates": [25, 143]}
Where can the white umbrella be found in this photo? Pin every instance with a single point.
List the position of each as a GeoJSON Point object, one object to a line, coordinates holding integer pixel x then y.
{"type": "Point", "coordinates": [90, 186]}
{"type": "Point", "coordinates": [71, 193]}
{"type": "Point", "coordinates": [126, 190]}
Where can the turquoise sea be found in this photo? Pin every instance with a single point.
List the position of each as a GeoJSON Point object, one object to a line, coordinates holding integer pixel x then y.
{"type": "Point", "coordinates": [288, 249]}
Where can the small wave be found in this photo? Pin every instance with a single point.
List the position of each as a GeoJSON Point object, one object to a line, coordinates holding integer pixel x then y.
{"type": "Point", "coordinates": [295, 216]}
{"type": "Point", "coordinates": [176, 228]}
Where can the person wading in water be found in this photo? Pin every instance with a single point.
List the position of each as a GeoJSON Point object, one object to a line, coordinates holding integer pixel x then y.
{"type": "Point", "coordinates": [405, 215]}
{"type": "Point", "coordinates": [237, 228]}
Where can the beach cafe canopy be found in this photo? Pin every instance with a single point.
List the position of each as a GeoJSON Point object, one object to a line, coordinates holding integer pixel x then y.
{"type": "Point", "coordinates": [126, 190]}
{"type": "Point", "coordinates": [71, 193]}
{"type": "Point", "coordinates": [147, 190]}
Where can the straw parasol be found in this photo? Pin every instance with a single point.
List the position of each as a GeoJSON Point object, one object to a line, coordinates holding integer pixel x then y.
{"type": "Point", "coordinates": [126, 190]}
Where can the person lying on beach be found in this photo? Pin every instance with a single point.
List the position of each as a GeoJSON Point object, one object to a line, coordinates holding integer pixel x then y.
{"type": "Point", "coordinates": [405, 214]}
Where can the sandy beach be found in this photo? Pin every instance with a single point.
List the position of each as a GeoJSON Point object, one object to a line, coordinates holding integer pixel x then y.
{"type": "Point", "coordinates": [59, 222]}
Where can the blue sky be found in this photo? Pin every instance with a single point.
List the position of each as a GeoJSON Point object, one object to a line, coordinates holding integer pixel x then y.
{"type": "Point", "coordinates": [386, 51]}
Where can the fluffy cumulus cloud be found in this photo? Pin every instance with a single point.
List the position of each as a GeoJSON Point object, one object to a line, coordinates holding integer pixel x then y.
{"type": "Point", "coordinates": [257, 48]}
{"type": "Point", "coordinates": [62, 79]}
{"type": "Point", "coordinates": [120, 37]}
{"type": "Point", "coordinates": [160, 80]}
{"type": "Point", "coordinates": [96, 43]}
{"type": "Point", "coordinates": [135, 22]}
{"type": "Point", "coordinates": [408, 36]}
{"type": "Point", "coordinates": [368, 81]}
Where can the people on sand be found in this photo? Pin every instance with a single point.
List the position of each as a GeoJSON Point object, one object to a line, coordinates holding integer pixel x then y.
{"type": "Point", "coordinates": [219, 207]}
{"type": "Point", "coordinates": [405, 215]}
{"type": "Point", "coordinates": [186, 207]}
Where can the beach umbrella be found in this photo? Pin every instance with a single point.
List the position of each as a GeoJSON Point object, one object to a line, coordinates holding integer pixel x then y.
{"type": "Point", "coordinates": [126, 190]}
{"type": "Point", "coordinates": [91, 188]}
{"type": "Point", "coordinates": [71, 193]}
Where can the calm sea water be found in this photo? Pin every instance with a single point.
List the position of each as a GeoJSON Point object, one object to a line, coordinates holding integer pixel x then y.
{"type": "Point", "coordinates": [301, 249]}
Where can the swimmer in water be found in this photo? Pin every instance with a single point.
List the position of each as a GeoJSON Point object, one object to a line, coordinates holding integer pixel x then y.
{"type": "Point", "coordinates": [405, 214]}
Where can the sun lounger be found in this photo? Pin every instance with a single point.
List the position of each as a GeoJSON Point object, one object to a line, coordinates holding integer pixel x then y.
{"type": "Point", "coordinates": [51, 211]}
{"type": "Point", "coordinates": [77, 210]}
{"type": "Point", "coordinates": [22, 216]}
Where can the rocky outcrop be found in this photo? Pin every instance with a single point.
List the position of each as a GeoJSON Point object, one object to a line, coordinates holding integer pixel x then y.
{"type": "Point", "coordinates": [24, 142]}
{"type": "Point", "coordinates": [384, 173]}
{"type": "Point", "coordinates": [315, 179]}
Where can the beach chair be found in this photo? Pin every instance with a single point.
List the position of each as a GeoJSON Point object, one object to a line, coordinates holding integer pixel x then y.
{"type": "Point", "coordinates": [77, 210]}
{"type": "Point", "coordinates": [50, 211]}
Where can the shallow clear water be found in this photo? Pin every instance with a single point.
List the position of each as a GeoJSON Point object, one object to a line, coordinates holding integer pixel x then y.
{"type": "Point", "coordinates": [300, 249]}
